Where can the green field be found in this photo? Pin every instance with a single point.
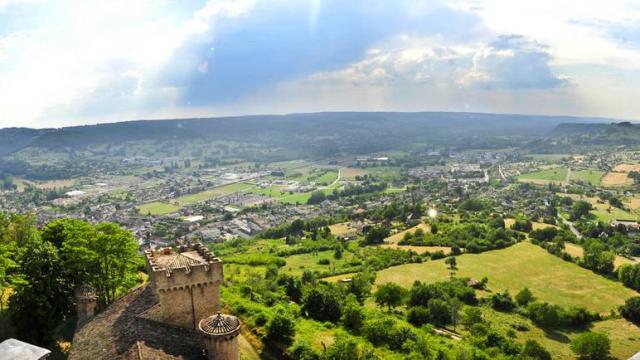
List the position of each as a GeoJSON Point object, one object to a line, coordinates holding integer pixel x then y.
{"type": "Point", "coordinates": [158, 208]}
{"type": "Point", "coordinates": [625, 337]}
{"type": "Point", "coordinates": [609, 214]}
{"type": "Point", "coordinates": [550, 175]}
{"type": "Point", "coordinates": [592, 177]}
{"type": "Point", "coordinates": [297, 264]}
{"type": "Point", "coordinates": [163, 208]}
{"type": "Point", "coordinates": [549, 278]}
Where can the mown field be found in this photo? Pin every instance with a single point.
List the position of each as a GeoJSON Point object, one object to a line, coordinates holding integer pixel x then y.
{"type": "Point", "coordinates": [550, 278]}
{"type": "Point", "coordinates": [163, 208]}
{"type": "Point", "coordinates": [545, 176]}
{"type": "Point", "coordinates": [592, 177]}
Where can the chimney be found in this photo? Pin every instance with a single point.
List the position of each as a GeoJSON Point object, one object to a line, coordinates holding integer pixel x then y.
{"type": "Point", "coordinates": [86, 302]}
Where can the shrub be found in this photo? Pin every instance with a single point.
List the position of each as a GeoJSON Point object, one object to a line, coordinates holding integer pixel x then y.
{"type": "Point", "coordinates": [533, 350]}
{"type": "Point", "coordinates": [281, 327]}
{"type": "Point", "coordinates": [591, 346]}
{"type": "Point", "coordinates": [418, 315]}
{"type": "Point", "coordinates": [524, 297]}
{"type": "Point", "coordinates": [631, 309]}
{"type": "Point", "coordinates": [544, 314]}
{"type": "Point", "coordinates": [502, 302]}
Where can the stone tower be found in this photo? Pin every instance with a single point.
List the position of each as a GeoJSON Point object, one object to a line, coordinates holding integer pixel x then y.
{"type": "Point", "coordinates": [86, 302]}
{"type": "Point", "coordinates": [187, 282]}
{"type": "Point", "coordinates": [221, 336]}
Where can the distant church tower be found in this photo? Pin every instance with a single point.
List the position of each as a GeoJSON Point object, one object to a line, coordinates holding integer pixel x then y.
{"type": "Point", "coordinates": [187, 282]}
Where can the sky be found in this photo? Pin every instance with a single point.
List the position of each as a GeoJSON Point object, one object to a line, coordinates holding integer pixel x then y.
{"type": "Point", "coordinates": [67, 62]}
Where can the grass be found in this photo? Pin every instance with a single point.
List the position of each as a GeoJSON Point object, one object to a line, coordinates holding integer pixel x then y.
{"type": "Point", "coordinates": [612, 213]}
{"type": "Point", "coordinates": [549, 278]}
{"type": "Point", "coordinates": [592, 177]}
{"type": "Point", "coordinates": [163, 208]}
{"type": "Point", "coordinates": [542, 176]}
{"type": "Point", "coordinates": [297, 264]}
{"type": "Point", "coordinates": [624, 336]}
{"type": "Point", "coordinates": [158, 208]}
{"type": "Point", "coordinates": [576, 250]}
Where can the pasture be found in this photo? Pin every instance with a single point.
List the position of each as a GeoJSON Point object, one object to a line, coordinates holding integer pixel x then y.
{"type": "Point", "coordinates": [545, 176]}
{"type": "Point", "coordinates": [590, 176]}
{"type": "Point", "coordinates": [524, 264]}
{"type": "Point", "coordinates": [352, 173]}
{"type": "Point", "coordinates": [158, 208]}
{"type": "Point", "coordinates": [576, 250]}
{"type": "Point", "coordinates": [625, 168]}
{"type": "Point", "coordinates": [297, 264]}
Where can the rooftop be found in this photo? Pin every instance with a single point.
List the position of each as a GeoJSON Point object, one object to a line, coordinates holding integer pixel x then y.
{"type": "Point", "coordinates": [17, 350]}
{"type": "Point", "coordinates": [219, 324]}
{"type": "Point", "coordinates": [184, 257]}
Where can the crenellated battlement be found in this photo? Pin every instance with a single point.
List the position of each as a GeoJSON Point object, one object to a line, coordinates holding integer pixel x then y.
{"type": "Point", "coordinates": [187, 281]}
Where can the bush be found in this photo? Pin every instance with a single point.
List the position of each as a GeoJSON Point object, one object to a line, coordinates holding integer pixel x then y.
{"type": "Point", "coordinates": [324, 262]}
{"type": "Point", "coordinates": [502, 302]}
{"type": "Point", "coordinates": [281, 327]}
{"type": "Point", "coordinates": [524, 297]}
{"type": "Point", "coordinates": [533, 350]}
{"type": "Point", "coordinates": [591, 346]}
{"type": "Point", "coordinates": [352, 314]}
{"type": "Point", "coordinates": [390, 295]}
{"type": "Point", "coordinates": [631, 309]}
{"type": "Point", "coordinates": [418, 315]}
{"type": "Point", "coordinates": [544, 314]}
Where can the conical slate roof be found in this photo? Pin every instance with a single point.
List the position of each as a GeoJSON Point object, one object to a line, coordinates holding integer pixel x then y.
{"type": "Point", "coordinates": [220, 324]}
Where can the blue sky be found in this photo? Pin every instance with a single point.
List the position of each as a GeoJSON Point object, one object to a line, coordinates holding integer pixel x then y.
{"type": "Point", "coordinates": [69, 62]}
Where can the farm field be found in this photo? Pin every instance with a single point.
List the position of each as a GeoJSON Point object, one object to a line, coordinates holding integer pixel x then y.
{"type": "Point", "coordinates": [549, 278]}
{"type": "Point", "coordinates": [576, 250]}
{"type": "Point", "coordinates": [625, 336]}
{"type": "Point", "coordinates": [534, 225]}
{"type": "Point", "coordinates": [545, 176]}
{"type": "Point", "coordinates": [158, 208]}
{"type": "Point", "coordinates": [592, 177]}
{"type": "Point", "coordinates": [616, 179]}
{"type": "Point", "coordinates": [607, 214]}
{"type": "Point", "coordinates": [395, 238]}
{"type": "Point", "coordinates": [351, 173]}
{"type": "Point", "coordinates": [163, 208]}
{"type": "Point", "coordinates": [625, 168]}
{"type": "Point", "coordinates": [297, 264]}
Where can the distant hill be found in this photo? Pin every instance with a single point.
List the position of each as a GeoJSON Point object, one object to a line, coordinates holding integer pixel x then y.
{"type": "Point", "coordinates": [352, 129]}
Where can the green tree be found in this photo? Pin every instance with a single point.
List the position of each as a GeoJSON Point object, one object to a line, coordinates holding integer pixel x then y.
{"type": "Point", "coordinates": [533, 350]}
{"type": "Point", "coordinates": [452, 265]}
{"type": "Point", "coordinates": [352, 314]}
{"type": "Point", "coordinates": [631, 309]}
{"type": "Point", "coordinates": [45, 299]}
{"type": "Point", "coordinates": [106, 258]}
{"type": "Point", "coordinates": [580, 209]}
{"type": "Point", "coordinates": [591, 346]}
{"type": "Point", "coordinates": [281, 327]}
{"type": "Point", "coordinates": [524, 297]}
{"type": "Point", "coordinates": [323, 303]}
{"type": "Point", "coordinates": [390, 295]}
{"type": "Point", "coordinates": [471, 315]}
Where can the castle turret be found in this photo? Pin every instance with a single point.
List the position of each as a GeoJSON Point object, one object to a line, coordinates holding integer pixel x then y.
{"type": "Point", "coordinates": [86, 302]}
{"type": "Point", "coordinates": [187, 282]}
{"type": "Point", "coordinates": [221, 336]}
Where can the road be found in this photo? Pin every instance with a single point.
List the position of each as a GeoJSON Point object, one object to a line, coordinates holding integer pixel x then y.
{"type": "Point", "coordinates": [566, 180]}
{"type": "Point", "coordinates": [571, 227]}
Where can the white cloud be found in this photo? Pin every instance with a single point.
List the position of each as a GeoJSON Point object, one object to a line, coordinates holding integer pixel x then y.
{"type": "Point", "coordinates": [87, 46]}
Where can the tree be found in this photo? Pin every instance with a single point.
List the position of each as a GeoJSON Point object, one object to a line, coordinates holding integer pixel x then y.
{"type": "Point", "coordinates": [524, 297]}
{"type": "Point", "coordinates": [471, 315]}
{"type": "Point", "coordinates": [631, 309]}
{"type": "Point", "coordinates": [45, 299]}
{"type": "Point", "coordinates": [544, 314]}
{"type": "Point", "coordinates": [105, 258]}
{"type": "Point", "coordinates": [591, 346]}
{"type": "Point", "coordinates": [390, 295]}
{"type": "Point", "coordinates": [316, 197]}
{"type": "Point", "coordinates": [323, 303]}
{"type": "Point", "coordinates": [533, 350]}
{"type": "Point", "coordinates": [580, 209]}
{"type": "Point", "coordinates": [352, 314]}
{"type": "Point", "coordinates": [346, 348]}
{"type": "Point", "coordinates": [453, 266]}
{"type": "Point", "coordinates": [376, 235]}
{"type": "Point", "coordinates": [281, 327]}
